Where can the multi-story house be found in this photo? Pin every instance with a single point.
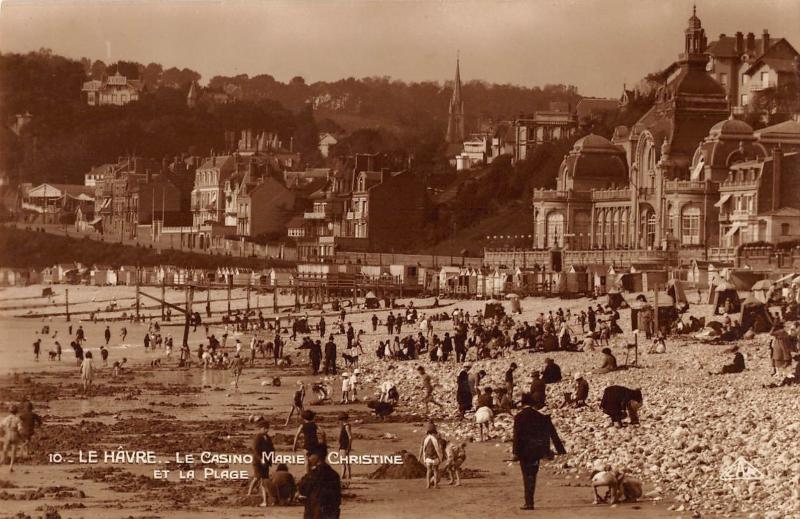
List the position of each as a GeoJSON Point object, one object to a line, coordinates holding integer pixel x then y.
{"type": "Point", "coordinates": [748, 67]}
{"type": "Point", "coordinates": [136, 192]}
{"type": "Point", "coordinates": [208, 195]}
{"type": "Point", "coordinates": [114, 90]}
{"type": "Point", "coordinates": [759, 202]}
{"type": "Point", "coordinates": [540, 127]}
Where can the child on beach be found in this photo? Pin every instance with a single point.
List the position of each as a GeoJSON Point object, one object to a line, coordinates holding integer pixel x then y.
{"type": "Point", "coordinates": [237, 366]}
{"type": "Point", "coordinates": [354, 385]}
{"type": "Point", "coordinates": [262, 447]}
{"type": "Point", "coordinates": [431, 454]}
{"type": "Point", "coordinates": [345, 388]}
{"type": "Point", "coordinates": [297, 401]}
{"type": "Point", "coordinates": [87, 373]}
{"type": "Point", "coordinates": [345, 445]}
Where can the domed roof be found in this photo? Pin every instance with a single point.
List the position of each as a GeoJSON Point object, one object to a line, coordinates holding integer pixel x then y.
{"type": "Point", "coordinates": [593, 143]}
{"type": "Point", "coordinates": [732, 128]}
{"type": "Point", "coordinates": [694, 21]}
{"type": "Point", "coordinates": [596, 160]}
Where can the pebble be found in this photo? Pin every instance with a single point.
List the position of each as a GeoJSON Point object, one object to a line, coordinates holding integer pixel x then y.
{"type": "Point", "coordinates": [693, 425]}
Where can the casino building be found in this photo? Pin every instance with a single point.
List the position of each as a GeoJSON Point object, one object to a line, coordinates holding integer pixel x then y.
{"type": "Point", "coordinates": [656, 185]}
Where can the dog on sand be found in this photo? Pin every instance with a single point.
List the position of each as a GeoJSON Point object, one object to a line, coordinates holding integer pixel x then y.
{"type": "Point", "coordinates": [619, 487]}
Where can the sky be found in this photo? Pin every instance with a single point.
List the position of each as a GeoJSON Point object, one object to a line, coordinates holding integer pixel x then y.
{"type": "Point", "coordinates": [596, 45]}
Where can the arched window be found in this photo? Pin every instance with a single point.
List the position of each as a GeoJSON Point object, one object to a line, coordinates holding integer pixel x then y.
{"type": "Point", "coordinates": [648, 224]}
{"type": "Point", "coordinates": [690, 225]}
{"type": "Point", "coordinates": [581, 229]}
{"type": "Point", "coordinates": [555, 228]}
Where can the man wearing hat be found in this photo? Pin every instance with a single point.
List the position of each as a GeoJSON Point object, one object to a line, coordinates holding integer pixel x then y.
{"type": "Point", "coordinates": [321, 486]}
{"type": "Point", "coordinates": [262, 448]}
{"type": "Point", "coordinates": [533, 433]}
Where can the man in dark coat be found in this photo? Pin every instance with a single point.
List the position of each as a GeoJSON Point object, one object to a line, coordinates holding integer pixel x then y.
{"type": "Point", "coordinates": [322, 488]}
{"type": "Point", "coordinates": [533, 433]}
{"type": "Point", "coordinates": [315, 355]}
{"type": "Point", "coordinates": [618, 401]}
{"type": "Point", "coordinates": [463, 391]}
{"type": "Point", "coordinates": [592, 319]}
{"type": "Point", "coordinates": [330, 356]}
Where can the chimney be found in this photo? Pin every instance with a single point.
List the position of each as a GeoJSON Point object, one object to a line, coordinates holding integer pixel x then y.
{"type": "Point", "coordinates": [777, 160]}
{"type": "Point", "coordinates": [751, 42]}
{"type": "Point", "coordinates": [765, 38]}
{"type": "Point", "coordinates": [739, 43]}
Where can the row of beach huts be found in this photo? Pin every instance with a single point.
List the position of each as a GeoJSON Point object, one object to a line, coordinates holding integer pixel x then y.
{"type": "Point", "coordinates": [450, 281]}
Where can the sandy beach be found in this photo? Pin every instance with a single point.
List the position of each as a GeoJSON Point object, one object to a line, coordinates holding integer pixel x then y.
{"type": "Point", "coordinates": [171, 410]}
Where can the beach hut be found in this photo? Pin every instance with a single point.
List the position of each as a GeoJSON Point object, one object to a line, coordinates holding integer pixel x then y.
{"type": "Point", "coordinates": [726, 297]}
{"type": "Point", "coordinates": [281, 276]}
{"type": "Point", "coordinates": [677, 293]}
{"type": "Point", "coordinates": [102, 275]}
{"type": "Point", "coordinates": [370, 301]}
{"type": "Point", "coordinates": [755, 316]}
{"type": "Point", "coordinates": [576, 280]}
{"type": "Point", "coordinates": [493, 308]}
{"type": "Point", "coordinates": [448, 279]}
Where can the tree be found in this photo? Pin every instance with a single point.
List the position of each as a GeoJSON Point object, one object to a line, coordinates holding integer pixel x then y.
{"type": "Point", "coordinates": [98, 70]}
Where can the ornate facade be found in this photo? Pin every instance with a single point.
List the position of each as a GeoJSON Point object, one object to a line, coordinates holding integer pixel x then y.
{"type": "Point", "coordinates": [651, 187]}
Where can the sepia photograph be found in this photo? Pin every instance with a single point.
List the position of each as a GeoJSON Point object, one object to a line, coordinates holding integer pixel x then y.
{"type": "Point", "coordinates": [399, 259]}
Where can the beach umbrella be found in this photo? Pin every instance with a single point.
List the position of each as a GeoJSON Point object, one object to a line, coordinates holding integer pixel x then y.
{"type": "Point", "coordinates": [787, 278]}
{"type": "Point", "coordinates": [764, 284]}
{"type": "Point", "coordinates": [512, 296]}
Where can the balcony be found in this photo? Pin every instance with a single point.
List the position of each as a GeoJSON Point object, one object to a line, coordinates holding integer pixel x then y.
{"type": "Point", "coordinates": [356, 215]}
{"type": "Point", "coordinates": [686, 185]}
{"type": "Point", "coordinates": [554, 195]}
{"type": "Point", "coordinates": [761, 86]}
{"type": "Point", "coordinates": [645, 192]}
{"type": "Point", "coordinates": [611, 194]}
{"type": "Point", "coordinates": [316, 215]}
{"type": "Point", "coordinates": [721, 254]}
{"type": "Point", "coordinates": [550, 195]}
{"type": "Point", "coordinates": [729, 185]}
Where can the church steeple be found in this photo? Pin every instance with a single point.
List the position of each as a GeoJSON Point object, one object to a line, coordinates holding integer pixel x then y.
{"type": "Point", "coordinates": [455, 121]}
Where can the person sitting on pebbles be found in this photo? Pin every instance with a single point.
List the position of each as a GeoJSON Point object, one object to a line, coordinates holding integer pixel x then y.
{"type": "Point", "coordinates": [737, 366]}
{"type": "Point", "coordinates": [552, 372]}
{"type": "Point", "coordinates": [581, 387]}
{"type": "Point", "coordinates": [609, 362]}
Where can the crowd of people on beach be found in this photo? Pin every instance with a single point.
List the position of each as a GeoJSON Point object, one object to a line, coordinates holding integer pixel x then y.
{"type": "Point", "coordinates": [456, 338]}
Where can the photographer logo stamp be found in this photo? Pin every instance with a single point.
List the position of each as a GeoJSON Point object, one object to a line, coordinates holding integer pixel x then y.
{"type": "Point", "coordinates": [741, 470]}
